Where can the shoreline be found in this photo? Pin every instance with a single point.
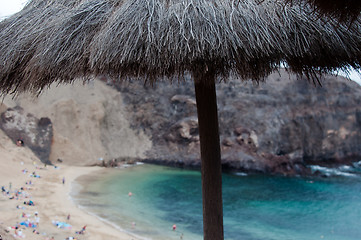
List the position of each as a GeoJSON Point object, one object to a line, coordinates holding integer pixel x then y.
{"type": "Point", "coordinates": [77, 183]}
{"type": "Point", "coordinates": [113, 224]}
{"type": "Point", "coordinates": [134, 214]}
{"type": "Point", "coordinates": [51, 197]}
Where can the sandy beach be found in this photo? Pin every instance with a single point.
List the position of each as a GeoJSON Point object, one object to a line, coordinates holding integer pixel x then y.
{"type": "Point", "coordinates": [51, 198]}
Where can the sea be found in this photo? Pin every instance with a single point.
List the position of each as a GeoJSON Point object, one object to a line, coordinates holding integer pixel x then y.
{"type": "Point", "coordinates": [147, 200]}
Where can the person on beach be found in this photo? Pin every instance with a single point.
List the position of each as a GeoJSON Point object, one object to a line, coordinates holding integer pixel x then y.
{"type": "Point", "coordinates": [174, 227]}
{"type": "Point", "coordinates": [30, 203]}
{"type": "Point", "coordinates": [63, 180]}
{"type": "Point", "coordinates": [37, 219]}
{"type": "Point", "coordinates": [19, 233]}
{"type": "Point", "coordinates": [81, 231]}
{"type": "Point", "coordinates": [34, 175]}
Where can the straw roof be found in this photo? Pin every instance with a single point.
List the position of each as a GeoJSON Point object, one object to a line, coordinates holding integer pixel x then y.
{"type": "Point", "coordinates": [343, 10]}
{"type": "Point", "coordinates": [60, 40]}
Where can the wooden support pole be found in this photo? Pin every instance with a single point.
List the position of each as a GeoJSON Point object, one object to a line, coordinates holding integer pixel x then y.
{"type": "Point", "coordinates": [210, 155]}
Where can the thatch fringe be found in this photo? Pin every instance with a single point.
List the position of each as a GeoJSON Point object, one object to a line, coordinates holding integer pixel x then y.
{"type": "Point", "coordinates": [20, 35]}
{"type": "Point", "coordinates": [58, 41]}
{"type": "Point", "coordinates": [64, 52]}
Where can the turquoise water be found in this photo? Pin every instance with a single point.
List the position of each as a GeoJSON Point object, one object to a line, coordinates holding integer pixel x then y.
{"type": "Point", "coordinates": [256, 207]}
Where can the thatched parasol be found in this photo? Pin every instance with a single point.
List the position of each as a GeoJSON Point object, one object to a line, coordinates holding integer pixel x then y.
{"type": "Point", "coordinates": [61, 40]}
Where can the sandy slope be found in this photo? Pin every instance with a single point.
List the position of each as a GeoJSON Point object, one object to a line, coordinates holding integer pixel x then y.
{"type": "Point", "coordinates": [50, 195]}
{"type": "Point", "coordinates": [89, 122]}
{"type": "Point", "coordinates": [83, 117]}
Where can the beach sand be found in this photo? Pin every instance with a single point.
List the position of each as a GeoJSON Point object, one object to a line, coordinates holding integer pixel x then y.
{"type": "Point", "coordinates": [51, 197]}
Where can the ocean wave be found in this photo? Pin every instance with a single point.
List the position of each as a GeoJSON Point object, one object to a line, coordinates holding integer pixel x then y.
{"type": "Point", "coordinates": [357, 165]}
{"type": "Point", "coordinates": [240, 174]}
{"type": "Point", "coordinates": [345, 171]}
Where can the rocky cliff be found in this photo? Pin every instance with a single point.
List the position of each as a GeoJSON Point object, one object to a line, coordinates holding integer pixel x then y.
{"type": "Point", "coordinates": [277, 126]}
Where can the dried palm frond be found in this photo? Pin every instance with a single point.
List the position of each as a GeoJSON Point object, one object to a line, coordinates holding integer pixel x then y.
{"type": "Point", "coordinates": [62, 40]}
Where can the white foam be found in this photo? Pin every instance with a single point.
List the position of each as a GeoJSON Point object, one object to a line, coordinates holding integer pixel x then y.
{"type": "Point", "coordinates": [241, 174]}
{"type": "Point", "coordinates": [357, 164]}
{"type": "Point", "coordinates": [346, 168]}
{"type": "Point", "coordinates": [333, 171]}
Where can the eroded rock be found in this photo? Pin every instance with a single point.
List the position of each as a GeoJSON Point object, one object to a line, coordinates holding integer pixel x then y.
{"type": "Point", "coordinates": [30, 131]}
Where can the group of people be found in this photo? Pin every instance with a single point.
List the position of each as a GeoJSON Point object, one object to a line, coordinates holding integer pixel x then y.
{"type": "Point", "coordinates": [17, 194]}
{"type": "Point", "coordinates": [29, 221]}
{"type": "Point", "coordinates": [4, 191]}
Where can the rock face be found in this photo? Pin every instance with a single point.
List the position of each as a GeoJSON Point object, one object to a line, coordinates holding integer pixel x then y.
{"type": "Point", "coordinates": [279, 126]}
{"type": "Point", "coordinates": [32, 132]}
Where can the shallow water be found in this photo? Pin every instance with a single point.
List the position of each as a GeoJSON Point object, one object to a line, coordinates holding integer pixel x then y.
{"type": "Point", "coordinates": [256, 207]}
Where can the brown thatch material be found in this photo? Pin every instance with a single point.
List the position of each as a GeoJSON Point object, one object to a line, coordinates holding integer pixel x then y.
{"type": "Point", "coordinates": [342, 10]}
{"type": "Point", "coordinates": [20, 36]}
{"type": "Point", "coordinates": [58, 40]}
